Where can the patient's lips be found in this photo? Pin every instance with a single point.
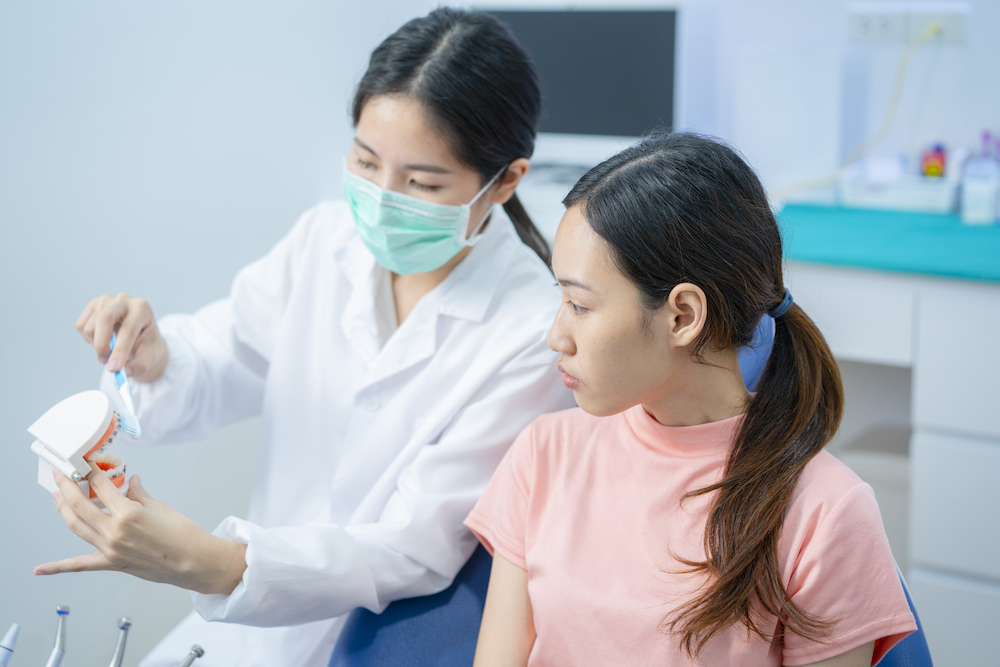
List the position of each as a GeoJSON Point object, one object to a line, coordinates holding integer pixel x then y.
{"type": "Point", "coordinates": [568, 380]}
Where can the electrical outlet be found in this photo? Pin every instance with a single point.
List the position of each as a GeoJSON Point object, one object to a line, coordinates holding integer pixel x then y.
{"type": "Point", "coordinates": [898, 23]}
{"type": "Point", "coordinates": [879, 27]}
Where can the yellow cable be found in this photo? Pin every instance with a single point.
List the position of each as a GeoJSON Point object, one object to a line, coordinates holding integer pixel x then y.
{"type": "Point", "coordinates": [926, 35]}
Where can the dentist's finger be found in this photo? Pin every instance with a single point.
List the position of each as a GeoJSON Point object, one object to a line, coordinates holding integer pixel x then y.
{"type": "Point", "coordinates": [89, 563]}
{"type": "Point", "coordinates": [106, 491]}
{"type": "Point", "coordinates": [72, 496]}
{"type": "Point", "coordinates": [137, 493]}
{"type": "Point", "coordinates": [149, 355]}
{"type": "Point", "coordinates": [78, 526]}
{"type": "Point", "coordinates": [84, 318]}
{"type": "Point", "coordinates": [88, 327]}
{"type": "Point", "coordinates": [106, 319]}
{"type": "Point", "coordinates": [137, 318]}
{"type": "Point", "coordinates": [142, 352]}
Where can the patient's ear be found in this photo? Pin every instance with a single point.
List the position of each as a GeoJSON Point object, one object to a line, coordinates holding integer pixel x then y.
{"type": "Point", "coordinates": [682, 318]}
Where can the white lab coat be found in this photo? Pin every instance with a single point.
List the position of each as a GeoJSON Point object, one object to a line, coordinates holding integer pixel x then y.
{"type": "Point", "coordinates": [372, 455]}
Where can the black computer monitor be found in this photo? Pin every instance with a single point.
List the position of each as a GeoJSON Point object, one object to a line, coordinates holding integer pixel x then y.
{"type": "Point", "coordinates": [602, 72]}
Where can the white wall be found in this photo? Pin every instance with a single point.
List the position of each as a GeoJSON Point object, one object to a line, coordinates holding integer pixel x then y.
{"type": "Point", "coordinates": [781, 80]}
{"type": "Point", "coordinates": [156, 148]}
{"type": "Point", "coordinates": [151, 148]}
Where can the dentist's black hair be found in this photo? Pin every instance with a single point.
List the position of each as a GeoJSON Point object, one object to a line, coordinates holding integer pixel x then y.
{"type": "Point", "coordinates": [681, 208]}
{"type": "Point", "coordinates": [476, 83]}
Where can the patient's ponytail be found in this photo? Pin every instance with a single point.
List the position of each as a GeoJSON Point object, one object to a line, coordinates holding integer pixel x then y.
{"type": "Point", "coordinates": [795, 412]}
{"type": "Point", "coordinates": [683, 208]}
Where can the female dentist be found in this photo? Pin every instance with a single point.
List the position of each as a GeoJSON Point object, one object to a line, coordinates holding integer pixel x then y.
{"type": "Point", "coordinates": [394, 344]}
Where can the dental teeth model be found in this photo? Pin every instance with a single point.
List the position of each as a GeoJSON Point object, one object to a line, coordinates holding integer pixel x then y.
{"type": "Point", "coordinates": [74, 432]}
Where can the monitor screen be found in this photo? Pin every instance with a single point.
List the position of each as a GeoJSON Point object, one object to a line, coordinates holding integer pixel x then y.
{"type": "Point", "coordinates": [601, 72]}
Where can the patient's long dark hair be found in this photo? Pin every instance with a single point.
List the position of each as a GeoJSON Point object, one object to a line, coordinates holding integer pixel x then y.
{"type": "Point", "coordinates": [476, 83]}
{"type": "Point", "coordinates": [684, 208]}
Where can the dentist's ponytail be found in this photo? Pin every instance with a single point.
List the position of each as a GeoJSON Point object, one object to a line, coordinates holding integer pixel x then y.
{"type": "Point", "coordinates": [477, 84]}
{"type": "Point", "coordinates": [683, 208]}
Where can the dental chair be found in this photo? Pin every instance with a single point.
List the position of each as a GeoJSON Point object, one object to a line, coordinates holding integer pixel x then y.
{"type": "Point", "coordinates": [437, 630]}
{"type": "Point", "coordinates": [913, 650]}
{"type": "Point", "coordinates": [441, 630]}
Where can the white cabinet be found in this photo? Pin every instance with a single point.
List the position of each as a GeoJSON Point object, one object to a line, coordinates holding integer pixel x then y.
{"type": "Point", "coordinates": [960, 618]}
{"type": "Point", "coordinates": [862, 319]}
{"type": "Point", "coordinates": [957, 361]}
{"type": "Point", "coordinates": [955, 504]}
{"type": "Point", "coordinates": [948, 332]}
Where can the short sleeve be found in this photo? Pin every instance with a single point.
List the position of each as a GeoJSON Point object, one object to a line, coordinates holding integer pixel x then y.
{"type": "Point", "coordinates": [845, 573]}
{"type": "Point", "coordinates": [499, 519]}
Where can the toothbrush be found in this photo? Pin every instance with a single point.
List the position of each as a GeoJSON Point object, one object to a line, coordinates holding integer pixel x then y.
{"type": "Point", "coordinates": [130, 423]}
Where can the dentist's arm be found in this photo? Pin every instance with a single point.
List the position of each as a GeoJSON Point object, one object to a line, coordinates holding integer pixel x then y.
{"type": "Point", "coordinates": [508, 629]}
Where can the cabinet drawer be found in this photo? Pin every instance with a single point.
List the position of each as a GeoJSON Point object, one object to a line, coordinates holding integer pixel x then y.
{"type": "Point", "coordinates": [955, 504]}
{"type": "Point", "coordinates": [864, 316]}
{"type": "Point", "coordinates": [960, 618]}
{"type": "Point", "coordinates": [956, 375]}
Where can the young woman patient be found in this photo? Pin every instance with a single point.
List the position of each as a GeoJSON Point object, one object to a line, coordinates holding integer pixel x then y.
{"type": "Point", "coordinates": [676, 519]}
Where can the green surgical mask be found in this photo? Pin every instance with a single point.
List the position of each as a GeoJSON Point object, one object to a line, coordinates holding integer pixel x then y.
{"type": "Point", "coordinates": [406, 234]}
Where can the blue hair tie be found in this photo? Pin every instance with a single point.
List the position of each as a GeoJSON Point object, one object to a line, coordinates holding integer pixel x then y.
{"type": "Point", "coordinates": [782, 307]}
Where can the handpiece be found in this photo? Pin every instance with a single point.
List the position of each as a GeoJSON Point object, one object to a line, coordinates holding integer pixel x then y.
{"type": "Point", "coordinates": [124, 623]}
{"type": "Point", "coordinates": [59, 649]}
{"type": "Point", "coordinates": [196, 652]}
{"type": "Point", "coordinates": [7, 644]}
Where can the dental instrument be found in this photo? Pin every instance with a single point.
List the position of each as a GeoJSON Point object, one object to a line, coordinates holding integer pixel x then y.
{"type": "Point", "coordinates": [59, 649]}
{"type": "Point", "coordinates": [7, 644]}
{"type": "Point", "coordinates": [124, 623]}
{"type": "Point", "coordinates": [130, 422]}
{"type": "Point", "coordinates": [196, 652]}
{"type": "Point", "coordinates": [74, 432]}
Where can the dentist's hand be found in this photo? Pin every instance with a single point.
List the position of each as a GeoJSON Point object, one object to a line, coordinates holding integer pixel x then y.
{"type": "Point", "coordinates": [139, 348]}
{"type": "Point", "coordinates": [144, 537]}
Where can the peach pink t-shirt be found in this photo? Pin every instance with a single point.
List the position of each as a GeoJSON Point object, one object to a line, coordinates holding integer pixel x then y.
{"type": "Point", "coordinates": [591, 508]}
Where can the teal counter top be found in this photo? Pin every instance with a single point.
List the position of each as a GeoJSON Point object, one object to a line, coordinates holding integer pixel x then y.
{"type": "Point", "coordinates": [924, 243]}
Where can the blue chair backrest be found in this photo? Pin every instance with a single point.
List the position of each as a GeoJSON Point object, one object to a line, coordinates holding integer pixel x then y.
{"type": "Point", "coordinates": [912, 651]}
{"type": "Point", "coordinates": [440, 630]}
{"type": "Point", "coordinates": [754, 357]}
{"type": "Point", "coordinates": [437, 630]}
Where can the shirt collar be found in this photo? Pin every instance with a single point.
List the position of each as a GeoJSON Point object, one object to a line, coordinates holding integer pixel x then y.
{"type": "Point", "coordinates": [714, 439]}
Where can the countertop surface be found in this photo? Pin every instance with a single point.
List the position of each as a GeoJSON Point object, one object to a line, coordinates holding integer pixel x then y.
{"type": "Point", "coordinates": [921, 243]}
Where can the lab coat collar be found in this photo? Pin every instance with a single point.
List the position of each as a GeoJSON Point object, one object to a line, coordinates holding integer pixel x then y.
{"type": "Point", "coordinates": [358, 321]}
{"type": "Point", "coordinates": [469, 289]}
{"type": "Point", "coordinates": [466, 293]}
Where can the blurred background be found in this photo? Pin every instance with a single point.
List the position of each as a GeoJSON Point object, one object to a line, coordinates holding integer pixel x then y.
{"type": "Point", "coordinates": [155, 149]}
